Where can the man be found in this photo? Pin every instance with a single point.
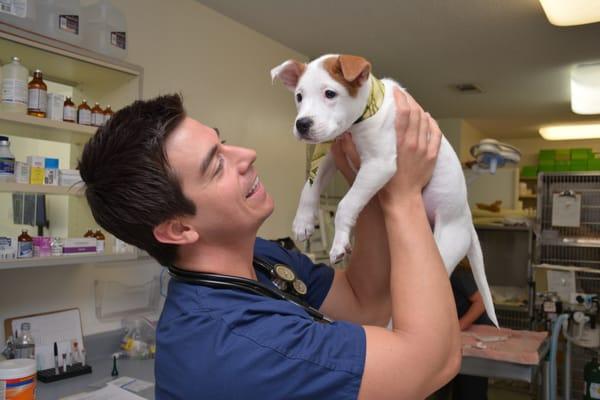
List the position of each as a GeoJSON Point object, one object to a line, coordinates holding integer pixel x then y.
{"type": "Point", "coordinates": [167, 184]}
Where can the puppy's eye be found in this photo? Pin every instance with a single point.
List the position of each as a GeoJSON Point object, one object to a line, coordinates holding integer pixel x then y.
{"type": "Point", "coordinates": [299, 98]}
{"type": "Point", "coordinates": [330, 94]}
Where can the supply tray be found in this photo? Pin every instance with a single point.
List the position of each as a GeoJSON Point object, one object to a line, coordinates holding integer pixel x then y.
{"type": "Point", "coordinates": [49, 375]}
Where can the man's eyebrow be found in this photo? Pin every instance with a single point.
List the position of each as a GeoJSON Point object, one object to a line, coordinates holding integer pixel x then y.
{"type": "Point", "coordinates": [208, 159]}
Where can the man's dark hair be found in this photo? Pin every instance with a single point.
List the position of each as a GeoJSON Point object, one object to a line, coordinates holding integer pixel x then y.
{"type": "Point", "coordinates": [130, 186]}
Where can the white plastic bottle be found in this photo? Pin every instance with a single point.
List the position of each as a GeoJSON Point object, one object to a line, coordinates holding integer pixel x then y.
{"type": "Point", "coordinates": [60, 19]}
{"type": "Point", "coordinates": [25, 346]}
{"type": "Point", "coordinates": [14, 87]}
{"type": "Point", "coordinates": [105, 29]}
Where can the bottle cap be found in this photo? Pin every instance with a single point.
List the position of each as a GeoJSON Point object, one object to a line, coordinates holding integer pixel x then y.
{"type": "Point", "coordinates": [17, 59]}
{"type": "Point", "coordinates": [38, 71]}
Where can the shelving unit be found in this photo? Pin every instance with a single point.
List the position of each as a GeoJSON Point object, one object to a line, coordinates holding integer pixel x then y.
{"type": "Point", "coordinates": [529, 200]}
{"type": "Point", "coordinates": [9, 187]}
{"type": "Point", "coordinates": [91, 76]}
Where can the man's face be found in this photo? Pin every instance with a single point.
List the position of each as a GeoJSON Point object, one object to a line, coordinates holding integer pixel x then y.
{"type": "Point", "coordinates": [221, 181]}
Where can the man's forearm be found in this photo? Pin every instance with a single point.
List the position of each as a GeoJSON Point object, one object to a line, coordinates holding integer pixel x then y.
{"type": "Point", "coordinates": [369, 270]}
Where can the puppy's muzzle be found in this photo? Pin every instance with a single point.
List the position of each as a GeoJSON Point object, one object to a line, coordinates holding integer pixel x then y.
{"type": "Point", "coordinates": [303, 126]}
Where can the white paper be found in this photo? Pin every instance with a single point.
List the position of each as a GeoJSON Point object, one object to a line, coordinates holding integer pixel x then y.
{"type": "Point", "coordinates": [562, 283]}
{"type": "Point", "coordinates": [109, 392]}
{"type": "Point", "coordinates": [131, 384]}
{"type": "Point", "coordinates": [566, 210]}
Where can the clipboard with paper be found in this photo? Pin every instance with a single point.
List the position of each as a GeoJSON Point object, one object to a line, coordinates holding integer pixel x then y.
{"type": "Point", "coordinates": [566, 209]}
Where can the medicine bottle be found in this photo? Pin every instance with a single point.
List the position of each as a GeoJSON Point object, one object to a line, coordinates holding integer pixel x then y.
{"type": "Point", "coordinates": [24, 245]}
{"type": "Point", "coordinates": [100, 240]}
{"type": "Point", "coordinates": [69, 111]}
{"type": "Point", "coordinates": [84, 114]}
{"type": "Point", "coordinates": [108, 112]}
{"type": "Point", "coordinates": [38, 95]}
{"type": "Point", "coordinates": [89, 233]}
{"type": "Point", "coordinates": [14, 87]}
{"type": "Point", "coordinates": [97, 115]}
{"type": "Point", "coordinates": [25, 345]}
{"type": "Point", "coordinates": [7, 160]}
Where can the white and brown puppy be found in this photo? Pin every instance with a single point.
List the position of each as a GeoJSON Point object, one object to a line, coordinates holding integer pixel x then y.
{"type": "Point", "coordinates": [337, 93]}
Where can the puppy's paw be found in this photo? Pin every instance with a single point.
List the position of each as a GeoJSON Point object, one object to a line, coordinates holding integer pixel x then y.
{"type": "Point", "coordinates": [303, 226]}
{"type": "Point", "coordinates": [341, 247]}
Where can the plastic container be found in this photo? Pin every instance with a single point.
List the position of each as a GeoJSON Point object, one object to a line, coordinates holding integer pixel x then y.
{"type": "Point", "coordinates": [14, 87]}
{"type": "Point", "coordinates": [105, 29]}
{"type": "Point", "coordinates": [59, 19]}
{"type": "Point", "coordinates": [20, 13]}
{"type": "Point", "coordinates": [7, 160]}
{"type": "Point", "coordinates": [19, 379]}
{"type": "Point", "coordinates": [25, 345]}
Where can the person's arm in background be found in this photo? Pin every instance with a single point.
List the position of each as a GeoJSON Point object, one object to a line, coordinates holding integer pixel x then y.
{"type": "Point", "coordinates": [361, 292]}
{"type": "Point", "coordinates": [423, 350]}
{"type": "Point", "coordinates": [475, 311]}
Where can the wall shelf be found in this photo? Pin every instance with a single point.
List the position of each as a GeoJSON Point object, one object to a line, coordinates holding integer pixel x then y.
{"type": "Point", "coordinates": [66, 260]}
{"type": "Point", "coordinates": [45, 189]}
{"type": "Point", "coordinates": [17, 124]}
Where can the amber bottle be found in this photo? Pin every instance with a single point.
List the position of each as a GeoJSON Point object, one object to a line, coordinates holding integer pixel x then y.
{"type": "Point", "coordinates": [37, 96]}
{"type": "Point", "coordinates": [69, 111]}
{"type": "Point", "coordinates": [84, 114]}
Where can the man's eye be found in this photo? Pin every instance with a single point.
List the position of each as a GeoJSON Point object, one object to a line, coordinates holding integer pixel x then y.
{"type": "Point", "coordinates": [299, 97]}
{"type": "Point", "coordinates": [330, 94]}
{"type": "Point", "coordinates": [220, 161]}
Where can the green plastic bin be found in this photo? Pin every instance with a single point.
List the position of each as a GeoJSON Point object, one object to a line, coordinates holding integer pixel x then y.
{"type": "Point", "coordinates": [562, 154]}
{"type": "Point", "coordinates": [581, 154]}
{"type": "Point", "coordinates": [530, 171]}
{"type": "Point", "coordinates": [578, 165]}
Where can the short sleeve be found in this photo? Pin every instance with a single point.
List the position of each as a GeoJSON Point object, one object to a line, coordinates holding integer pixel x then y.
{"type": "Point", "coordinates": [318, 277]}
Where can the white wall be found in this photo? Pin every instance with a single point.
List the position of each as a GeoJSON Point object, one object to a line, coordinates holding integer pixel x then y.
{"type": "Point", "coordinates": [222, 69]}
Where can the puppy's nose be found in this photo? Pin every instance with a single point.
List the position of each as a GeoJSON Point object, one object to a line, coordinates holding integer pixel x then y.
{"type": "Point", "coordinates": [303, 125]}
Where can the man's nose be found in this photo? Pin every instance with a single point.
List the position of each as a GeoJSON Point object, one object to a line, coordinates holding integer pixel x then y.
{"type": "Point", "coordinates": [303, 125]}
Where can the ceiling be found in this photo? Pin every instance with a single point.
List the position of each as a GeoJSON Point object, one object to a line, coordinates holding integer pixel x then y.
{"type": "Point", "coordinates": [506, 47]}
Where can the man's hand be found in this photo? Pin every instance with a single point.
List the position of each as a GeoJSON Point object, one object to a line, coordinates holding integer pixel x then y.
{"type": "Point", "coordinates": [418, 143]}
{"type": "Point", "coordinates": [343, 149]}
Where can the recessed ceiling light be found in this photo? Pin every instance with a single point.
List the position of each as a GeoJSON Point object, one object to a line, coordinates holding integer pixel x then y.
{"type": "Point", "coordinates": [585, 89]}
{"type": "Point", "coordinates": [571, 12]}
{"type": "Point", "coordinates": [571, 132]}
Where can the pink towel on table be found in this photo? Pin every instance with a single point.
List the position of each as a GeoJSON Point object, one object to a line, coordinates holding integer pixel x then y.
{"type": "Point", "coordinates": [502, 344]}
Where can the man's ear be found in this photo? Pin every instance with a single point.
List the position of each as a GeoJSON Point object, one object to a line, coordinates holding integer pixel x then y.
{"type": "Point", "coordinates": [289, 72]}
{"type": "Point", "coordinates": [354, 68]}
{"type": "Point", "coordinates": [174, 231]}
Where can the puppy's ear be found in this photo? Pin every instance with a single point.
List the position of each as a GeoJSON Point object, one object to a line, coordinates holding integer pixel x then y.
{"type": "Point", "coordinates": [354, 68]}
{"type": "Point", "coordinates": [289, 73]}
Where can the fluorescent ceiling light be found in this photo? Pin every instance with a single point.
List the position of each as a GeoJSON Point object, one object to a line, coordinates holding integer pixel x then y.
{"type": "Point", "coordinates": [571, 12]}
{"type": "Point", "coordinates": [571, 132]}
{"type": "Point", "coordinates": [585, 88]}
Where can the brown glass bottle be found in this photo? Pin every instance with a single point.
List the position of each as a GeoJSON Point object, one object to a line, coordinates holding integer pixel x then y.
{"type": "Point", "coordinates": [97, 115]}
{"type": "Point", "coordinates": [100, 241]}
{"type": "Point", "coordinates": [108, 112]}
{"type": "Point", "coordinates": [89, 233]}
{"type": "Point", "coordinates": [84, 113]}
{"type": "Point", "coordinates": [37, 96]}
{"type": "Point", "coordinates": [24, 245]}
{"type": "Point", "coordinates": [69, 111]}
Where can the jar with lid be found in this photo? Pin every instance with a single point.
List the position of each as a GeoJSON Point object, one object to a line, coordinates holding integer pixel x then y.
{"type": "Point", "coordinates": [37, 95]}
{"type": "Point", "coordinates": [14, 86]}
{"type": "Point", "coordinates": [69, 110]}
{"type": "Point", "coordinates": [84, 114]}
{"type": "Point", "coordinates": [7, 160]}
{"type": "Point", "coordinates": [97, 115]}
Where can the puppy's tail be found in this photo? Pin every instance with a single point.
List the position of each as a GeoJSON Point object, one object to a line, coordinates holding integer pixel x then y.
{"type": "Point", "coordinates": [477, 267]}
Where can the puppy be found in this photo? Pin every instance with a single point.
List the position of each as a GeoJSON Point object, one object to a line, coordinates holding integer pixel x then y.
{"type": "Point", "coordinates": [337, 93]}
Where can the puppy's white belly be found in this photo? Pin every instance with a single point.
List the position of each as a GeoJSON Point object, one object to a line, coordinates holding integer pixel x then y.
{"type": "Point", "coordinates": [446, 193]}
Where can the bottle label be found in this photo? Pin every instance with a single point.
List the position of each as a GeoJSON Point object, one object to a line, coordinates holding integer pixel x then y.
{"type": "Point", "coordinates": [97, 119]}
{"type": "Point", "coordinates": [100, 246]}
{"type": "Point", "coordinates": [25, 250]}
{"type": "Point", "coordinates": [69, 23]}
{"type": "Point", "coordinates": [594, 391]}
{"type": "Point", "coordinates": [18, 8]}
{"type": "Point", "coordinates": [69, 113]}
{"type": "Point", "coordinates": [37, 100]}
{"type": "Point", "coordinates": [85, 117]}
{"type": "Point", "coordinates": [119, 39]}
{"type": "Point", "coordinates": [7, 166]}
{"type": "Point", "coordinates": [14, 91]}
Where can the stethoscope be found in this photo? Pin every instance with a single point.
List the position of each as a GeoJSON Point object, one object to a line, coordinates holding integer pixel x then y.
{"type": "Point", "coordinates": [288, 286]}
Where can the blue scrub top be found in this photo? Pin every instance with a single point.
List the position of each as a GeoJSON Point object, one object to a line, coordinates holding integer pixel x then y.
{"type": "Point", "coordinates": [230, 344]}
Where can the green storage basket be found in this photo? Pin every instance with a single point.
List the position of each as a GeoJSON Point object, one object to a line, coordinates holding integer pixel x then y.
{"type": "Point", "coordinates": [562, 165]}
{"type": "Point", "coordinates": [547, 167]}
{"type": "Point", "coordinates": [529, 171]}
{"type": "Point", "coordinates": [546, 155]}
{"type": "Point", "coordinates": [593, 164]}
{"type": "Point", "coordinates": [578, 165]}
{"type": "Point", "coordinates": [562, 154]}
{"type": "Point", "coordinates": [581, 154]}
